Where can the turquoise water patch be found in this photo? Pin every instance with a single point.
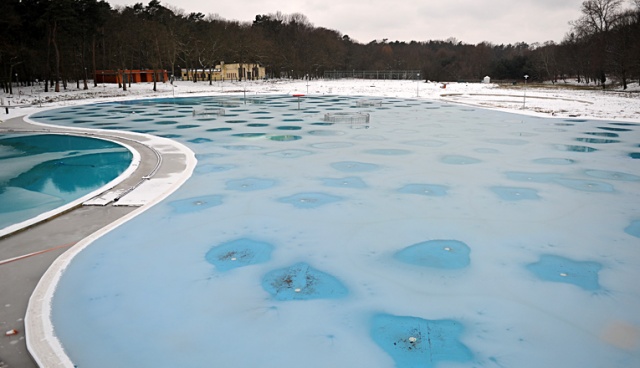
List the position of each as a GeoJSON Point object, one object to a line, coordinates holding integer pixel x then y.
{"type": "Point", "coordinates": [288, 127]}
{"type": "Point", "coordinates": [583, 274]}
{"type": "Point", "coordinates": [326, 133]}
{"type": "Point", "coordinates": [414, 342]}
{"type": "Point", "coordinates": [187, 126]}
{"type": "Point", "coordinates": [257, 125]}
{"type": "Point", "coordinates": [612, 175]}
{"type": "Point", "coordinates": [445, 254]}
{"type": "Point", "coordinates": [459, 160]}
{"type": "Point", "coordinates": [284, 138]}
{"type": "Point", "coordinates": [515, 194]}
{"type": "Point", "coordinates": [209, 168]}
{"type": "Point", "coordinates": [603, 134]}
{"type": "Point", "coordinates": [633, 229]}
{"type": "Point", "coordinates": [200, 140]}
{"type": "Point", "coordinates": [572, 148]}
{"type": "Point", "coordinates": [353, 182]}
{"type": "Point", "coordinates": [310, 199]}
{"type": "Point", "coordinates": [532, 177]}
{"type": "Point", "coordinates": [635, 155]}
{"type": "Point", "coordinates": [170, 135]}
{"type": "Point", "coordinates": [166, 122]}
{"type": "Point", "coordinates": [195, 204]}
{"type": "Point", "coordinates": [219, 129]}
{"type": "Point", "coordinates": [302, 282]}
{"type": "Point", "coordinates": [250, 184]}
{"type": "Point", "coordinates": [431, 190]}
{"type": "Point", "coordinates": [585, 185]}
{"type": "Point", "coordinates": [249, 135]}
{"type": "Point", "coordinates": [615, 129]}
{"type": "Point", "coordinates": [239, 253]}
{"type": "Point", "coordinates": [354, 166]}
{"type": "Point", "coordinates": [597, 140]}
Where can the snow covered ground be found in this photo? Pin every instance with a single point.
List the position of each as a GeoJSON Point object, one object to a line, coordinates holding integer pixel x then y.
{"type": "Point", "coordinates": [544, 101]}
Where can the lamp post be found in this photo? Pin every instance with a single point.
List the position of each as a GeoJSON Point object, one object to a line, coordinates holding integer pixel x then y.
{"type": "Point", "coordinates": [307, 83]}
{"type": "Point", "coordinates": [524, 101]}
{"type": "Point", "coordinates": [418, 86]}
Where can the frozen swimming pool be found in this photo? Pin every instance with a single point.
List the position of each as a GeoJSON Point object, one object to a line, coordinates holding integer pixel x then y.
{"type": "Point", "coordinates": [42, 172]}
{"type": "Point", "coordinates": [440, 236]}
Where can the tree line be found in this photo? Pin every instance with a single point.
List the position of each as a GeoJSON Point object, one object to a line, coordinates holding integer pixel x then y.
{"type": "Point", "coordinates": [57, 42]}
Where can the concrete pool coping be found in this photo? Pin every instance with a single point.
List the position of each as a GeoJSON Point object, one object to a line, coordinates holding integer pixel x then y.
{"type": "Point", "coordinates": [163, 166]}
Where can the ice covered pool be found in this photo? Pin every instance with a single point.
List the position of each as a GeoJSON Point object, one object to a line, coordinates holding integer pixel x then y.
{"type": "Point", "coordinates": [441, 236]}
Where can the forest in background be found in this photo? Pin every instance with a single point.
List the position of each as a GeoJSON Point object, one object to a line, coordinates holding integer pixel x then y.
{"type": "Point", "coordinates": [58, 42]}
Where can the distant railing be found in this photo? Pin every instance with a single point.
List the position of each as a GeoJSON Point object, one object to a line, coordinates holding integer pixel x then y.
{"type": "Point", "coordinates": [372, 74]}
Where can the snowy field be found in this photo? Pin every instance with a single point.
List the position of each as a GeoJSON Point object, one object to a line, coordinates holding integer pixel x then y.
{"type": "Point", "coordinates": [439, 234]}
{"type": "Point", "coordinates": [550, 101]}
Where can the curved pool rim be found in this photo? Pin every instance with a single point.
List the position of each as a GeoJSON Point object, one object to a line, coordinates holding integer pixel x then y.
{"type": "Point", "coordinates": [135, 161]}
{"type": "Point", "coordinates": [41, 340]}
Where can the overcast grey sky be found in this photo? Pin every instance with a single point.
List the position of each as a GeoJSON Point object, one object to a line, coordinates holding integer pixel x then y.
{"type": "Point", "coordinates": [469, 21]}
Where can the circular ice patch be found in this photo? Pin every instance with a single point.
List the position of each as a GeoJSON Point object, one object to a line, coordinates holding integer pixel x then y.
{"type": "Point", "coordinates": [354, 166]}
{"type": "Point", "coordinates": [239, 253]}
{"type": "Point", "coordinates": [326, 133]}
{"type": "Point", "coordinates": [432, 190]}
{"type": "Point", "coordinates": [633, 229]}
{"type": "Point", "coordinates": [571, 148]}
{"type": "Point", "coordinates": [200, 140]}
{"type": "Point", "coordinates": [459, 160]}
{"type": "Point", "coordinates": [585, 185]}
{"type": "Point", "coordinates": [309, 200]}
{"type": "Point", "coordinates": [250, 184]}
{"type": "Point", "coordinates": [445, 254]}
{"type": "Point", "coordinates": [419, 343]}
{"type": "Point", "coordinates": [612, 175]}
{"type": "Point", "coordinates": [559, 269]}
{"type": "Point", "coordinates": [353, 182]}
{"type": "Point", "coordinates": [195, 204]}
{"type": "Point", "coordinates": [209, 168]}
{"type": "Point", "coordinates": [515, 194]}
{"type": "Point", "coordinates": [249, 135]}
{"type": "Point", "coordinates": [285, 138]}
{"type": "Point", "coordinates": [302, 282]}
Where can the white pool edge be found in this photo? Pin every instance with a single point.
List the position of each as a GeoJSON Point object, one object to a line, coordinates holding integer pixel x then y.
{"type": "Point", "coordinates": [41, 340]}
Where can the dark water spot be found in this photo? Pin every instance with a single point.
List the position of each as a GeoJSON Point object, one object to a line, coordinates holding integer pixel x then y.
{"type": "Point", "coordinates": [239, 253]}
{"type": "Point", "coordinates": [414, 342]}
{"type": "Point", "coordinates": [302, 282]}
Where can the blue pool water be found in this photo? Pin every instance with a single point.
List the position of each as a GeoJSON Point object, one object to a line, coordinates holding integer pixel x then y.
{"type": "Point", "coordinates": [442, 236]}
{"type": "Point", "coordinates": [41, 172]}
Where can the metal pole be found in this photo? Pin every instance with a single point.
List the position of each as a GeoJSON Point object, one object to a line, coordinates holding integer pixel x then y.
{"type": "Point", "coordinates": [418, 86]}
{"type": "Point", "coordinates": [524, 101]}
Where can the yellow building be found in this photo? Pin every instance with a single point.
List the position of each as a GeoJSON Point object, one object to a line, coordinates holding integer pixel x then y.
{"type": "Point", "coordinates": [235, 71]}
